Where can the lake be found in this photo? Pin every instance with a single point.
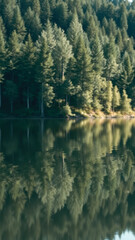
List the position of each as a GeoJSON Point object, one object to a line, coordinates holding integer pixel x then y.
{"type": "Point", "coordinates": [67, 180]}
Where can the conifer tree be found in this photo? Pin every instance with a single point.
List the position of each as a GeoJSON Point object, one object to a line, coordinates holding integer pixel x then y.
{"type": "Point", "coordinates": [13, 56]}
{"type": "Point", "coordinates": [36, 7]}
{"type": "Point", "coordinates": [50, 36]}
{"type": "Point", "coordinates": [18, 24]}
{"type": "Point", "coordinates": [127, 73]}
{"type": "Point", "coordinates": [45, 11]}
{"type": "Point", "coordinates": [62, 53]}
{"type": "Point", "coordinates": [27, 68]}
{"type": "Point", "coordinates": [98, 60]}
{"type": "Point", "coordinates": [2, 60]}
{"type": "Point", "coordinates": [84, 74]}
{"type": "Point", "coordinates": [2, 26]}
{"type": "Point", "coordinates": [115, 98]}
{"type": "Point", "coordinates": [119, 40]}
{"type": "Point", "coordinates": [125, 103]}
{"type": "Point", "coordinates": [123, 16]}
{"type": "Point", "coordinates": [33, 24]}
{"type": "Point", "coordinates": [111, 60]}
{"type": "Point", "coordinates": [109, 96]}
{"type": "Point", "coordinates": [45, 75]}
{"type": "Point", "coordinates": [74, 30]}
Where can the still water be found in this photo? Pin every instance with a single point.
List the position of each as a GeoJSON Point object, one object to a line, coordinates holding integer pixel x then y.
{"type": "Point", "coordinates": [67, 180]}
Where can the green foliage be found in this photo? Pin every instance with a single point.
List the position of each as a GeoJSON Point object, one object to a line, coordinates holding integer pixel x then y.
{"type": "Point", "coordinates": [125, 103]}
{"type": "Point", "coordinates": [90, 43]}
{"type": "Point", "coordinates": [116, 98]}
{"type": "Point", "coordinates": [66, 111]}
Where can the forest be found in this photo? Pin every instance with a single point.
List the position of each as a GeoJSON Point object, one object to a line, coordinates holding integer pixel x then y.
{"type": "Point", "coordinates": [77, 181]}
{"type": "Point", "coordinates": [62, 57]}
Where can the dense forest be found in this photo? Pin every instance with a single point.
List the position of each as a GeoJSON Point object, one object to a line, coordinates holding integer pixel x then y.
{"type": "Point", "coordinates": [62, 56]}
{"type": "Point", "coordinates": [68, 180]}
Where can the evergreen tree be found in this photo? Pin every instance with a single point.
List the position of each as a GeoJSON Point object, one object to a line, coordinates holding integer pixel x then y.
{"type": "Point", "coordinates": [32, 22]}
{"type": "Point", "coordinates": [2, 61]}
{"type": "Point", "coordinates": [123, 16]}
{"type": "Point", "coordinates": [62, 53]}
{"type": "Point", "coordinates": [108, 97]}
{"type": "Point", "coordinates": [127, 73]}
{"type": "Point", "coordinates": [84, 74]}
{"type": "Point", "coordinates": [116, 98]}
{"type": "Point", "coordinates": [119, 40]}
{"type": "Point", "coordinates": [2, 27]}
{"type": "Point", "coordinates": [36, 7]}
{"type": "Point", "coordinates": [13, 59]}
{"type": "Point", "coordinates": [111, 68]}
{"type": "Point", "coordinates": [98, 60]}
{"type": "Point", "coordinates": [18, 23]}
{"type": "Point", "coordinates": [45, 75]}
{"type": "Point", "coordinates": [50, 36]}
{"type": "Point", "coordinates": [45, 11]}
{"type": "Point", "coordinates": [74, 30]}
{"type": "Point", "coordinates": [27, 68]}
{"type": "Point", "coordinates": [125, 103]}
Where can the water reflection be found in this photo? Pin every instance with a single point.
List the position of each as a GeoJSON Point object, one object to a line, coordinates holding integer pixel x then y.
{"type": "Point", "coordinates": [62, 180]}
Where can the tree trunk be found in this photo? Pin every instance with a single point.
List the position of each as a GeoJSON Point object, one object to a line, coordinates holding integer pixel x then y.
{"type": "Point", "coordinates": [42, 132]}
{"type": "Point", "coordinates": [42, 102]}
{"type": "Point", "coordinates": [28, 98]}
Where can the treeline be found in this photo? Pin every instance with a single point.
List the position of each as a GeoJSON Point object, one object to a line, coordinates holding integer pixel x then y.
{"type": "Point", "coordinates": [59, 56]}
{"type": "Point", "coordinates": [81, 175]}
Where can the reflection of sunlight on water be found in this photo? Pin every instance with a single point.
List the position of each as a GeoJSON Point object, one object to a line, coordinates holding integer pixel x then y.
{"type": "Point", "coordinates": [125, 236]}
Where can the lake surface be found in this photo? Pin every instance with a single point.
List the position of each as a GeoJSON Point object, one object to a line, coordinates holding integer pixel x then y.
{"type": "Point", "coordinates": [67, 180]}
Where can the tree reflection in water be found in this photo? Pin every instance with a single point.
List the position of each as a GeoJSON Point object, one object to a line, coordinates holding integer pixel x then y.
{"type": "Point", "coordinates": [66, 180]}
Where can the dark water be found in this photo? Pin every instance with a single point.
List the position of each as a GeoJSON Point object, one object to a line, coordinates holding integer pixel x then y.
{"type": "Point", "coordinates": [67, 180]}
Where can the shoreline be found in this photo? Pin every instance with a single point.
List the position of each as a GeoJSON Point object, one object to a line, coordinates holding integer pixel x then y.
{"type": "Point", "coordinates": [76, 117]}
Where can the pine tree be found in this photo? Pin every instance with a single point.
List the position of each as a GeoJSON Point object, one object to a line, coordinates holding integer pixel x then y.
{"type": "Point", "coordinates": [98, 60]}
{"type": "Point", "coordinates": [125, 103]}
{"type": "Point", "coordinates": [127, 73]}
{"type": "Point", "coordinates": [62, 53]}
{"type": "Point", "coordinates": [27, 68]}
{"type": "Point", "coordinates": [123, 16]}
{"type": "Point", "coordinates": [45, 75]}
{"type": "Point", "coordinates": [116, 98]}
{"type": "Point", "coordinates": [111, 68]}
{"type": "Point", "coordinates": [33, 24]}
{"type": "Point", "coordinates": [18, 24]}
{"type": "Point", "coordinates": [92, 28]}
{"type": "Point", "coordinates": [74, 30]}
{"type": "Point", "coordinates": [2, 61]}
{"type": "Point", "coordinates": [36, 7]}
{"type": "Point", "coordinates": [50, 36]}
{"type": "Point", "coordinates": [109, 96]}
{"type": "Point", "coordinates": [119, 40]}
{"type": "Point", "coordinates": [2, 26]}
{"type": "Point", "coordinates": [45, 11]}
{"type": "Point", "coordinates": [84, 74]}
{"type": "Point", "coordinates": [13, 55]}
